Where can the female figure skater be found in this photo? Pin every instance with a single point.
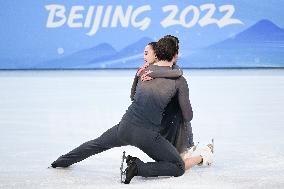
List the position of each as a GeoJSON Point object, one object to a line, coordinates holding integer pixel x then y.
{"type": "Point", "coordinates": [141, 124]}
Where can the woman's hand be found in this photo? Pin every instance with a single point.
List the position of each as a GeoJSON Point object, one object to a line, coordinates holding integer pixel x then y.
{"type": "Point", "coordinates": [146, 77]}
{"type": "Point", "coordinates": [143, 67]}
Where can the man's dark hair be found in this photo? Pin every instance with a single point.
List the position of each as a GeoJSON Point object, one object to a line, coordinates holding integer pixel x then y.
{"type": "Point", "coordinates": [175, 39]}
{"type": "Point", "coordinates": [166, 49]}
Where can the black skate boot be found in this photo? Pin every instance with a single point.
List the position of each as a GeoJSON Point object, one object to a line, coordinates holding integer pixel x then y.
{"type": "Point", "coordinates": [130, 171]}
{"type": "Point", "coordinates": [130, 159]}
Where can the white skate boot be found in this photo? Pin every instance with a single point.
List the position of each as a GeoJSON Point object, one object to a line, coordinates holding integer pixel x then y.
{"type": "Point", "coordinates": [188, 153]}
{"type": "Point", "coordinates": [192, 149]}
{"type": "Point", "coordinates": [206, 153]}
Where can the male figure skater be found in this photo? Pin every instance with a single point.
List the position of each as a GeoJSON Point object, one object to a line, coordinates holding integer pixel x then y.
{"type": "Point", "coordinates": [172, 124]}
{"type": "Point", "coordinates": [140, 125]}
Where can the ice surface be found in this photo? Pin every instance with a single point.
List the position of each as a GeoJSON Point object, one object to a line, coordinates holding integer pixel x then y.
{"type": "Point", "coordinates": [44, 114]}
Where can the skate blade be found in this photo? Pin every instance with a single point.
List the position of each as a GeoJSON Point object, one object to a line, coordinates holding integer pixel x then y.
{"type": "Point", "coordinates": [122, 171]}
{"type": "Point", "coordinates": [194, 147]}
{"type": "Point", "coordinates": [211, 146]}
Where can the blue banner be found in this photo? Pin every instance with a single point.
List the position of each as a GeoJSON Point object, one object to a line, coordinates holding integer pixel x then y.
{"type": "Point", "coordinates": [112, 34]}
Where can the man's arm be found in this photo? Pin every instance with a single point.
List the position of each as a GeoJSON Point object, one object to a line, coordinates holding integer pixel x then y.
{"type": "Point", "coordinates": [174, 73]}
{"type": "Point", "coordinates": [183, 98]}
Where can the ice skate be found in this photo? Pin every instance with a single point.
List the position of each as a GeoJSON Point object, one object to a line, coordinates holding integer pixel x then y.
{"type": "Point", "coordinates": [192, 149]}
{"type": "Point", "coordinates": [189, 152]}
{"type": "Point", "coordinates": [130, 172]}
{"type": "Point", "coordinates": [130, 159]}
{"type": "Point", "coordinates": [122, 172]}
{"type": "Point", "coordinates": [211, 146]}
{"type": "Point", "coordinates": [206, 153]}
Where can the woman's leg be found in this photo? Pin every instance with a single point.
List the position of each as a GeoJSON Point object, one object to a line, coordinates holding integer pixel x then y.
{"type": "Point", "coordinates": [192, 161]}
{"type": "Point", "coordinates": [106, 141]}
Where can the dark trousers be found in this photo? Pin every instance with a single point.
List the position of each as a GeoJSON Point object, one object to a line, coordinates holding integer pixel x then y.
{"type": "Point", "coordinates": [168, 161]}
{"type": "Point", "coordinates": [107, 140]}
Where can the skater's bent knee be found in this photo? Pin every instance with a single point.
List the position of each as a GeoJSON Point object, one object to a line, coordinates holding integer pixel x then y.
{"type": "Point", "coordinates": [179, 172]}
{"type": "Point", "coordinates": [180, 169]}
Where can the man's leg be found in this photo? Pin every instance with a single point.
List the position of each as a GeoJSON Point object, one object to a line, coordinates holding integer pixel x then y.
{"type": "Point", "coordinates": [168, 162]}
{"type": "Point", "coordinates": [106, 141]}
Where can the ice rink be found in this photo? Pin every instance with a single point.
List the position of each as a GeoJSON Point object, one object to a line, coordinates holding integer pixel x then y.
{"type": "Point", "coordinates": [44, 114]}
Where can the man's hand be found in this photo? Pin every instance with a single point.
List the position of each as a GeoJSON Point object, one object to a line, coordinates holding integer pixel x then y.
{"type": "Point", "coordinates": [146, 77]}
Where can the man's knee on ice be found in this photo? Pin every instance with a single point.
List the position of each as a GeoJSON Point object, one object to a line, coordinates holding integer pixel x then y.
{"type": "Point", "coordinates": [180, 169]}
